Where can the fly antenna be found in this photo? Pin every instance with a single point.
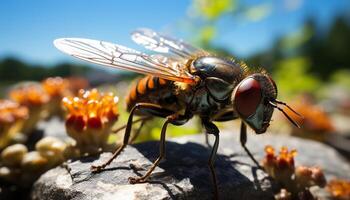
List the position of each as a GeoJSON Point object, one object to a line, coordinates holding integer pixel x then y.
{"type": "Point", "coordinates": [291, 109]}
{"type": "Point", "coordinates": [285, 114]}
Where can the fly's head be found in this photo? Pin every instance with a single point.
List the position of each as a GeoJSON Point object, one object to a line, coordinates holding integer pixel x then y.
{"type": "Point", "coordinates": [254, 99]}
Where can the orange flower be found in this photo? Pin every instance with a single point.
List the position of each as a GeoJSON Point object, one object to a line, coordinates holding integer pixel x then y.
{"type": "Point", "coordinates": [90, 118]}
{"type": "Point", "coordinates": [29, 94]}
{"type": "Point", "coordinates": [56, 86]}
{"type": "Point", "coordinates": [281, 166]}
{"type": "Point", "coordinates": [11, 111]}
{"type": "Point", "coordinates": [339, 189]}
{"type": "Point", "coordinates": [12, 118]}
{"type": "Point", "coordinates": [33, 96]}
{"type": "Point", "coordinates": [286, 158]}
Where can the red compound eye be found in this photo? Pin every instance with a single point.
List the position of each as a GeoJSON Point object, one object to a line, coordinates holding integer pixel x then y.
{"type": "Point", "coordinates": [247, 97]}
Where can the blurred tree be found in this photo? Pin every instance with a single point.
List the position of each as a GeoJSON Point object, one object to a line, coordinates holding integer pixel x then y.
{"type": "Point", "coordinates": [12, 69]}
{"type": "Point", "coordinates": [329, 52]}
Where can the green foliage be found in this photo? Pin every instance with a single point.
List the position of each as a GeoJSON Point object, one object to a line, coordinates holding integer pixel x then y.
{"type": "Point", "coordinates": [297, 38]}
{"type": "Point", "coordinates": [212, 10]}
{"type": "Point", "coordinates": [206, 34]}
{"type": "Point", "coordinates": [292, 77]}
{"type": "Point", "coordinates": [342, 78]}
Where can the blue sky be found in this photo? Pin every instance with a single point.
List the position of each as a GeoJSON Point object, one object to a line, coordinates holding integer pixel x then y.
{"type": "Point", "coordinates": [27, 28]}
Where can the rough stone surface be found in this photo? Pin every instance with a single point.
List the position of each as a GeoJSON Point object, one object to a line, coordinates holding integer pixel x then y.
{"type": "Point", "coordinates": [184, 173]}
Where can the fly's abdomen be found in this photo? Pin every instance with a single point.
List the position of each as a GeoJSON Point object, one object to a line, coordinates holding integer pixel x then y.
{"type": "Point", "coordinates": [154, 90]}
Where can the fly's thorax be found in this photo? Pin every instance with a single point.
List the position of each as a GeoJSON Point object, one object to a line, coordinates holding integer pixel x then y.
{"type": "Point", "coordinates": [218, 77]}
{"type": "Point", "coordinates": [211, 66]}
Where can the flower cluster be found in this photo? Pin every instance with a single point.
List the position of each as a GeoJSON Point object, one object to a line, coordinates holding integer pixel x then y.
{"type": "Point", "coordinates": [29, 94]}
{"type": "Point", "coordinates": [34, 97]}
{"type": "Point", "coordinates": [31, 102]}
{"type": "Point", "coordinates": [339, 189]}
{"type": "Point", "coordinates": [90, 118]}
{"type": "Point", "coordinates": [280, 167]}
{"type": "Point", "coordinates": [295, 180]}
{"type": "Point", "coordinates": [11, 111]}
{"type": "Point", "coordinates": [12, 117]}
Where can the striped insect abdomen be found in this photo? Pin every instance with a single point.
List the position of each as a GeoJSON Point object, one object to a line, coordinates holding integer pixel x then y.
{"type": "Point", "coordinates": [150, 89]}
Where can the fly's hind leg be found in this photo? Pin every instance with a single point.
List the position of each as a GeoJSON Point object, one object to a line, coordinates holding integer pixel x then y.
{"type": "Point", "coordinates": [243, 139]}
{"type": "Point", "coordinates": [173, 119]}
{"type": "Point", "coordinates": [145, 107]}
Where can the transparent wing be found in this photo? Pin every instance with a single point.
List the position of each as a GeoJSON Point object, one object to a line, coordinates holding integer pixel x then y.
{"type": "Point", "coordinates": [163, 44]}
{"type": "Point", "coordinates": [117, 56]}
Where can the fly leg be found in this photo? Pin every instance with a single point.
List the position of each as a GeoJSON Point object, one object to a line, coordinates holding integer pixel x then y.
{"type": "Point", "coordinates": [141, 119]}
{"type": "Point", "coordinates": [212, 129]}
{"type": "Point", "coordinates": [138, 130]}
{"type": "Point", "coordinates": [243, 139]}
{"type": "Point", "coordinates": [173, 119]}
{"type": "Point", "coordinates": [146, 107]}
{"type": "Point", "coordinates": [207, 140]}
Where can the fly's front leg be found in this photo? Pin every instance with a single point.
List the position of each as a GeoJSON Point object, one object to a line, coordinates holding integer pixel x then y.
{"type": "Point", "coordinates": [243, 139]}
{"type": "Point", "coordinates": [146, 107]}
{"type": "Point", "coordinates": [212, 129]}
{"type": "Point", "coordinates": [173, 119]}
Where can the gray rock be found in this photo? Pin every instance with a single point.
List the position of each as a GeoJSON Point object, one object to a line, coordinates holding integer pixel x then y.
{"type": "Point", "coordinates": [184, 173]}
